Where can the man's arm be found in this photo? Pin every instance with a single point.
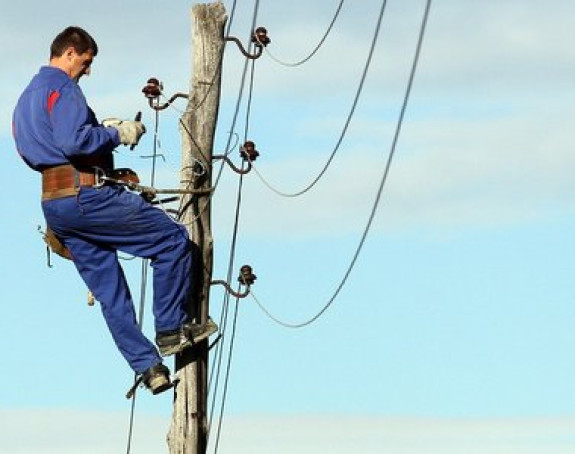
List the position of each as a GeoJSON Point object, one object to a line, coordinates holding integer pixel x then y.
{"type": "Point", "coordinates": [74, 126]}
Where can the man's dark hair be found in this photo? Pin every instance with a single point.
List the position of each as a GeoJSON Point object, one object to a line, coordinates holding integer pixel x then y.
{"type": "Point", "coordinates": [75, 37]}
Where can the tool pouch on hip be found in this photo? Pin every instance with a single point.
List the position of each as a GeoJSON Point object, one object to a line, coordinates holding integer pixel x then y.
{"type": "Point", "coordinates": [56, 245]}
{"type": "Point", "coordinates": [126, 175]}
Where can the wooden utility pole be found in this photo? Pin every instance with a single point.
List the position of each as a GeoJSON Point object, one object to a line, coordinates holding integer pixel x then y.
{"type": "Point", "coordinates": [189, 430]}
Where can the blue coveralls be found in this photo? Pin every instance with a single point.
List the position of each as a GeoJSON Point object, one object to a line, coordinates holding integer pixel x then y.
{"type": "Point", "coordinates": [53, 125]}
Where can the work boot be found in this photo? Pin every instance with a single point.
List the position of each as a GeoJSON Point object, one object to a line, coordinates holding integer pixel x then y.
{"type": "Point", "coordinates": [172, 342]}
{"type": "Point", "coordinates": [157, 378]}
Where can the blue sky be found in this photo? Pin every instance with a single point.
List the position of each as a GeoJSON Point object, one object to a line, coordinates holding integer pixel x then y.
{"type": "Point", "coordinates": [455, 329]}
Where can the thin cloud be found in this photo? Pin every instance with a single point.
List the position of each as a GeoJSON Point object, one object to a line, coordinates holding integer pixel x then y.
{"type": "Point", "coordinates": [72, 431]}
{"type": "Point", "coordinates": [447, 175]}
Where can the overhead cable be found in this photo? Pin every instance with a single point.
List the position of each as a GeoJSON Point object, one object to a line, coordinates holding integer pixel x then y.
{"type": "Point", "coordinates": [346, 124]}
{"type": "Point", "coordinates": [143, 285]}
{"type": "Point", "coordinates": [232, 259]}
{"type": "Point", "coordinates": [381, 184]}
{"type": "Point", "coordinates": [316, 48]}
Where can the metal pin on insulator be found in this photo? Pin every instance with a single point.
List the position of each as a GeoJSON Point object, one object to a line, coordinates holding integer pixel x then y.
{"type": "Point", "coordinates": [260, 37]}
{"type": "Point", "coordinates": [153, 88]}
{"type": "Point", "coordinates": [247, 277]}
{"type": "Point", "coordinates": [249, 152]}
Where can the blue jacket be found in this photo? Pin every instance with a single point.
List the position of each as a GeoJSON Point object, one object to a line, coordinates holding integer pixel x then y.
{"type": "Point", "coordinates": [53, 124]}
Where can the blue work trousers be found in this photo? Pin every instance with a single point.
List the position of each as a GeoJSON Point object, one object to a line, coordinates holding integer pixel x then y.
{"type": "Point", "coordinates": [97, 223]}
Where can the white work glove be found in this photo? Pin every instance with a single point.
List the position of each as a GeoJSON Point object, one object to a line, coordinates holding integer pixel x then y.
{"type": "Point", "coordinates": [129, 131]}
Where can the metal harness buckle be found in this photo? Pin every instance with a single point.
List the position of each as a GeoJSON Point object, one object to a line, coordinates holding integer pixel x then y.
{"type": "Point", "coordinates": [100, 177]}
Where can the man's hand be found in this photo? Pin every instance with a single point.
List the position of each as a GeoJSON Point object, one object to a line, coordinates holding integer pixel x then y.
{"type": "Point", "coordinates": [130, 131]}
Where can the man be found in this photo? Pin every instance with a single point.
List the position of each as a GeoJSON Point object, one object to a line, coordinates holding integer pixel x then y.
{"type": "Point", "coordinates": [57, 134]}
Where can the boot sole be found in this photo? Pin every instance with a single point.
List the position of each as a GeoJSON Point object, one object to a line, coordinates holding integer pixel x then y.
{"type": "Point", "coordinates": [172, 350]}
{"type": "Point", "coordinates": [159, 384]}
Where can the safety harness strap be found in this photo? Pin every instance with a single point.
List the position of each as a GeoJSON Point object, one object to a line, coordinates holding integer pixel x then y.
{"type": "Point", "coordinates": [65, 180]}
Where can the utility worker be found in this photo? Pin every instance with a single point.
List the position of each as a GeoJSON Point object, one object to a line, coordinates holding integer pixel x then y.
{"type": "Point", "coordinates": [56, 133]}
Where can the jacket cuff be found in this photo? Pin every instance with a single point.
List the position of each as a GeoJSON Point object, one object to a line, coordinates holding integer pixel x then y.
{"type": "Point", "coordinates": [114, 135]}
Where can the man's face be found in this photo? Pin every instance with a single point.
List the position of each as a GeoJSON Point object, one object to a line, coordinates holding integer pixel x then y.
{"type": "Point", "coordinates": [79, 64]}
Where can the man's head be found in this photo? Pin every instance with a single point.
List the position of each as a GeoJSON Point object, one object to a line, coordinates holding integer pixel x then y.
{"type": "Point", "coordinates": [73, 51]}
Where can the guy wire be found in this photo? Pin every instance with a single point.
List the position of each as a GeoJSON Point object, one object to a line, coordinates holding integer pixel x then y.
{"type": "Point", "coordinates": [144, 263]}
{"type": "Point", "coordinates": [143, 282]}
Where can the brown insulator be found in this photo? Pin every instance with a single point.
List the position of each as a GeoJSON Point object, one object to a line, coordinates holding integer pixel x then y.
{"type": "Point", "coordinates": [248, 151]}
{"type": "Point", "coordinates": [153, 88]}
{"type": "Point", "coordinates": [260, 37]}
{"type": "Point", "coordinates": [247, 276]}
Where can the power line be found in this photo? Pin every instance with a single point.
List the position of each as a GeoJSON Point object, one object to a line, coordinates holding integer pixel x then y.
{"type": "Point", "coordinates": [239, 97]}
{"type": "Point", "coordinates": [143, 284]}
{"type": "Point", "coordinates": [346, 124]}
{"type": "Point", "coordinates": [316, 48]}
{"type": "Point", "coordinates": [226, 305]}
{"type": "Point", "coordinates": [381, 184]}
{"type": "Point", "coordinates": [144, 262]}
{"type": "Point", "coordinates": [370, 219]}
{"type": "Point", "coordinates": [232, 255]}
{"type": "Point", "coordinates": [230, 268]}
{"type": "Point", "coordinates": [218, 356]}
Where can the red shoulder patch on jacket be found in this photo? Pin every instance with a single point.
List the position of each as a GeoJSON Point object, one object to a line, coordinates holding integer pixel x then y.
{"type": "Point", "coordinates": [52, 98]}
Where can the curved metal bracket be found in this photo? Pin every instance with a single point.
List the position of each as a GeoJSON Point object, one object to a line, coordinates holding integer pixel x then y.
{"type": "Point", "coordinates": [167, 103]}
{"type": "Point", "coordinates": [230, 290]}
{"type": "Point", "coordinates": [246, 277]}
{"type": "Point", "coordinates": [153, 90]}
{"type": "Point", "coordinates": [255, 56]}
{"type": "Point", "coordinates": [259, 38]}
{"type": "Point", "coordinates": [228, 161]}
{"type": "Point", "coordinates": [248, 153]}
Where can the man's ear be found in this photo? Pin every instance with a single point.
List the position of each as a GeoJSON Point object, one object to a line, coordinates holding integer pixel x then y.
{"type": "Point", "coordinates": [69, 52]}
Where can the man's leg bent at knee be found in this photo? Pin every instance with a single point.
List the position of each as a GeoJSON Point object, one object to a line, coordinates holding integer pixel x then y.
{"type": "Point", "coordinates": [105, 278]}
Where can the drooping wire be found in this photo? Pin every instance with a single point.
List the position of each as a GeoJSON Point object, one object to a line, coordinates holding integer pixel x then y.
{"type": "Point", "coordinates": [230, 270]}
{"type": "Point", "coordinates": [239, 98]}
{"type": "Point", "coordinates": [316, 48]}
{"type": "Point", "coordinates": [144, 264]}
{"type": "Point", "coordinates": [345, 126]}
{"type": "Point", "coordinates": [219, 65]}
{"type": "Point", "coordinates": [231, 264]}
{"type": "Point", "coordinates": [227, 376]}
{"type": "Point", "coordinates": [229, 147]}
{"type": "Point", "coordinates": [233, 334]}
{"type": "Point", "coordinates": [223, 318]}
{"type": "Point", "coordinates": [381, 184]}
{"type": "Point", "coordinates": [218, 354]}
{"type": "Point", "coordinates": [189, 108]}
{"type": "Point", "coordinates": [143, 284]}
